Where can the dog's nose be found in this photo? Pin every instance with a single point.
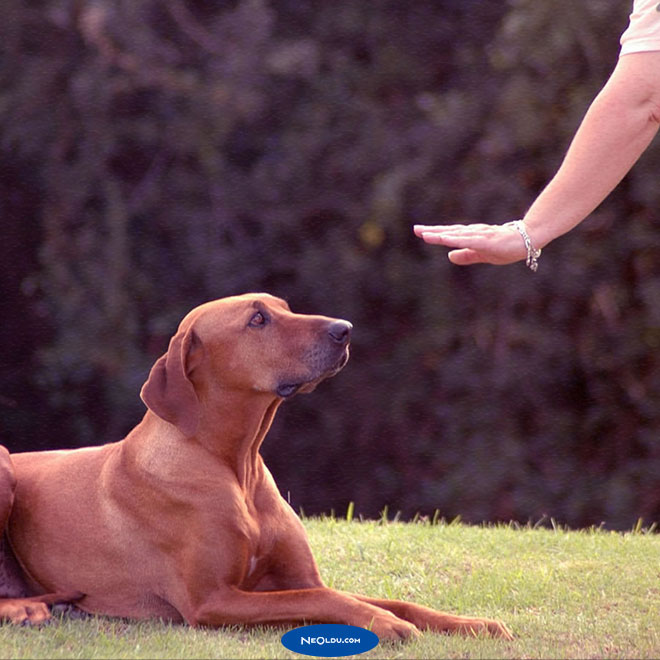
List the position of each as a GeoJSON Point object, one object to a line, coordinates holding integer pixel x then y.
{"type": "Point", "coordinates": [340, 331]}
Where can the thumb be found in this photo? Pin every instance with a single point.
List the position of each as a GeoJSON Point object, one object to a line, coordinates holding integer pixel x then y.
{"type": "Point", "coordinates": [465, 257]}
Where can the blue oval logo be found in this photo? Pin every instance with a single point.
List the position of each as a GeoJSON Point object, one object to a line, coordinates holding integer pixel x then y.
{"type": "Point", "coordinates": [329, 640]}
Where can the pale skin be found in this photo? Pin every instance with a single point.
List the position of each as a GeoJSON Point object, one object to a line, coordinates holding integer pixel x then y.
{"type": "Point", "coordinates": [620, 124]}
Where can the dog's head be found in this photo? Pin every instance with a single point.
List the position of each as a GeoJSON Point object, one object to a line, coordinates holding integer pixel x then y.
{"type": "Point", "coordinates": [251, 343]}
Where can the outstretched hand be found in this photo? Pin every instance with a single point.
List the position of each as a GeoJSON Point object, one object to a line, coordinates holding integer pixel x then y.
{"type": "Point", "coordinates": [476, 243]}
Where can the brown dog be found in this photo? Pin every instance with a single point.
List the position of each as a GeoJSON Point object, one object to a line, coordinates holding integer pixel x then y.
{"type": "Point", "coordinates": [182, 520]}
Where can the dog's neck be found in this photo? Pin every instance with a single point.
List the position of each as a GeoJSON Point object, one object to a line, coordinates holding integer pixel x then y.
{"type": "Point", "coordinates": [233, 430]}
{"type": "Point", "coordinates": [230, 433]}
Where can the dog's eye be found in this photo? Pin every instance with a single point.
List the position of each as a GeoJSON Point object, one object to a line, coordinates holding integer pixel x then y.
{"type": "Point", "coordinates": [258, 320]}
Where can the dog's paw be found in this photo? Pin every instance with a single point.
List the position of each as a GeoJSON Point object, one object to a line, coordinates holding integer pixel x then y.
{"type": "Point", "coordinates": [488, 626]}
{"type": "Point", "coordinates": [23, 611]}
{"type": "Point", "coordinates": [390, 627]}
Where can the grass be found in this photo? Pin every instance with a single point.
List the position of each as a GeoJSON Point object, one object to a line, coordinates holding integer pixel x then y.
{"type": "Point", "coordinates": [565, 594]}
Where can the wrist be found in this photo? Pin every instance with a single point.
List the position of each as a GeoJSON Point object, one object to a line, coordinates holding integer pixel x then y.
{"type": "Point", "coordinates": [533, 252]}
{"type": "Point", "coordinates": [543, 231]}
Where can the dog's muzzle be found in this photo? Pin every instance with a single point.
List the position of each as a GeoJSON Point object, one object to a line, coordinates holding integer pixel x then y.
{"type": "Point", "coordinates": [324, 360]}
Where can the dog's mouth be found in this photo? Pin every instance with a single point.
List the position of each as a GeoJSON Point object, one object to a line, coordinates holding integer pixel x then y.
{"type": "Point", "coordinates": [287, 388]}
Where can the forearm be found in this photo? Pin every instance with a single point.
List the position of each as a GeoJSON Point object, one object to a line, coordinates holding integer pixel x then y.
{"type": "Point", "coordinates": [618, 127]}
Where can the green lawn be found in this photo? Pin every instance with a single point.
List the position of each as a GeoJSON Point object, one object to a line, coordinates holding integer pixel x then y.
{"type": "Point", "coordinates": [592, 594]}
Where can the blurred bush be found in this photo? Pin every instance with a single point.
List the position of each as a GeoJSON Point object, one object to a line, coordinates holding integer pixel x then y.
{"type": "Point", "coordinates": [157, 155]}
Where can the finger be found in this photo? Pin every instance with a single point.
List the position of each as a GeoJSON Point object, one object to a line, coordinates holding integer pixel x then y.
{"type": "Point", "coordinates": [432, 238]}
{"type": "Point", "coordinates": [476, 227]}
{"type": "Point", "coordinates": [457, 240]}
{"type": "Point", "coordinates": [420, 229]}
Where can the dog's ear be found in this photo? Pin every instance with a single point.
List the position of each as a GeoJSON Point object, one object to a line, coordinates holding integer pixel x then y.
{"type": "Point", "coordinates": [168, 392]}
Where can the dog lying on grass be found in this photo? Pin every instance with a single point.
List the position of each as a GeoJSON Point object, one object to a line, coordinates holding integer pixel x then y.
{"type": "Point", "coordinates": [182, 520]}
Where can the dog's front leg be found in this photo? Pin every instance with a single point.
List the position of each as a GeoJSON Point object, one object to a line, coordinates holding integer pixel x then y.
{"type": "Point", "coordinates": [318, 605]}
{"type": "Point", "coordinates": [426, 618]}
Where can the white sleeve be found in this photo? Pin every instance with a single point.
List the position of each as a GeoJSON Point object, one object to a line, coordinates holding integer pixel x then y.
{"type": "Point", "coordinates": [643, 33]}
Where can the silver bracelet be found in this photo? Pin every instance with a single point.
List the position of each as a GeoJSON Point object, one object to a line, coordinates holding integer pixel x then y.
{"type": "Point", "coordinates": [532, 253]}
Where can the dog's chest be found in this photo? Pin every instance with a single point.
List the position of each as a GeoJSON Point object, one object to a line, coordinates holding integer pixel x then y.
{"type": "Point", "coordinates": [257, 566]}
{"type": "Point", "coordinates": [252, 566]}
{"type": "Point", "coordinates": [261, 541]}
{"type": "Point", "coordinates": [267, 534]}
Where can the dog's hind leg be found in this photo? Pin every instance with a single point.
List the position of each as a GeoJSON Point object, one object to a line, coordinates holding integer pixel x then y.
{"type": "Point", "coordinates": [7, 487]}
{"type": "Point", "coordinates": [16, 605]}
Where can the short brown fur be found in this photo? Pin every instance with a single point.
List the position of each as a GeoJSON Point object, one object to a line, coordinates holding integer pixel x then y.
{"type": "Point", "coordinates": [182, 520]}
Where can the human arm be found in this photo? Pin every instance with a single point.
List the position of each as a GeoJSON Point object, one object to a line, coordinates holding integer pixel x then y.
{"type": "Point", "coordinates": [619, 125]}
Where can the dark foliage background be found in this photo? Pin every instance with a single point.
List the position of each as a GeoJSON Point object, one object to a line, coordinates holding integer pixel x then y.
{"type": "Point", "coordinates": [155, 155]}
